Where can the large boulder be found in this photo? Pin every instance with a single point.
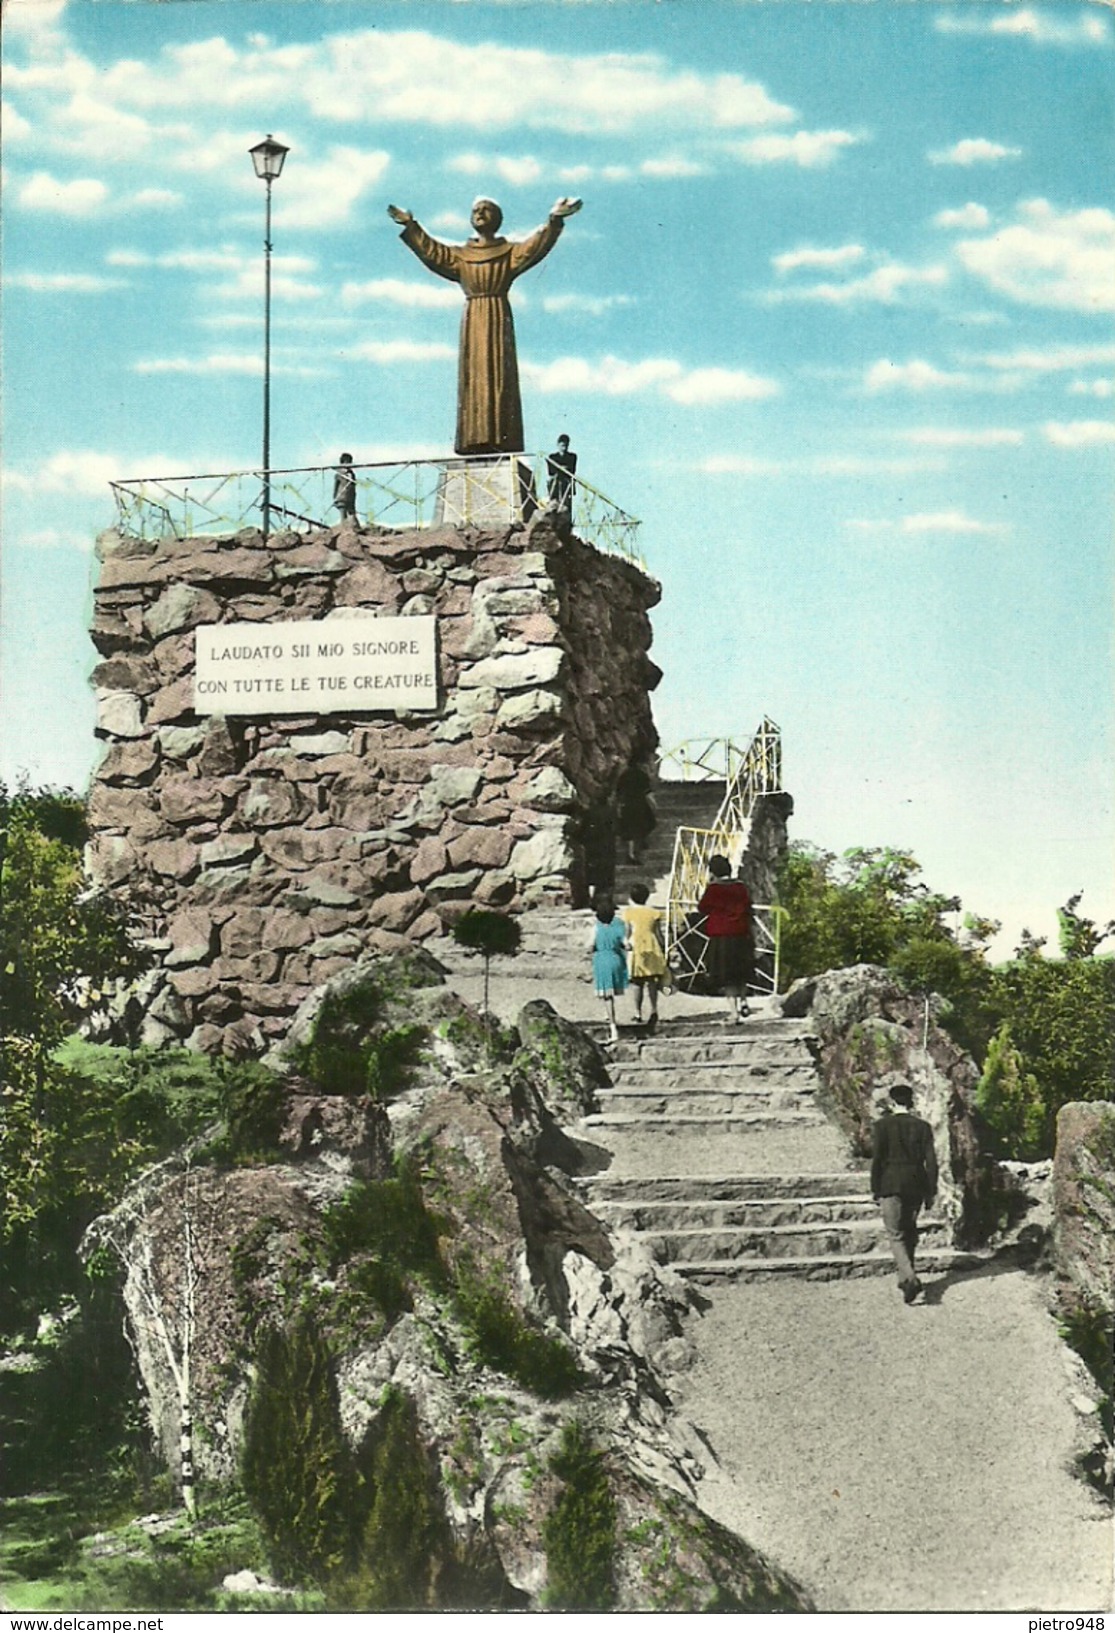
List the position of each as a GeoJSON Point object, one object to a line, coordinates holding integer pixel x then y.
{"type": "Point", "coordinates": [1084, 1200]}
{"type": "Point", "coordinates": [868, 1028]}
{"type": "Point", "coordinates": [483, 1339]}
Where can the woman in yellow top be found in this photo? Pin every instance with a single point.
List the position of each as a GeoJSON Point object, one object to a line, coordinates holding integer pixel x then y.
{"type": "Point", "coordinates": [649, 969]}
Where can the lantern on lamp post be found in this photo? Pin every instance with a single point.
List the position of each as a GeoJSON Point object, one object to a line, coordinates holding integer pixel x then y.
{"type": "Point", "coordinates": [267, 157]}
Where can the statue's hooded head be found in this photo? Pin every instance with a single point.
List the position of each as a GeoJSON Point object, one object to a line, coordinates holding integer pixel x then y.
{"type": "Point", "coordinates": [487, 217]}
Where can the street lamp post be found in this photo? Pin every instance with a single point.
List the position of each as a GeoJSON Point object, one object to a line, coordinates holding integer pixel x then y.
{"type": "Point", "coordinates": [267, 157]}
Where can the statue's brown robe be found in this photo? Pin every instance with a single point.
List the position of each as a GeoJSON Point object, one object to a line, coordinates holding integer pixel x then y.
{"type": "Point", "coordinates": [489, 408]}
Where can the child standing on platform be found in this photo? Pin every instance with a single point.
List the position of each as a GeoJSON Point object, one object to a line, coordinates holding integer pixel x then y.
{"type": "Point", "coordinates": [609, 959]}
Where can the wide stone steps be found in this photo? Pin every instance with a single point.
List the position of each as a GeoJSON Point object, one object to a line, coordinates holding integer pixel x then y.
{"type": "Point", "coordinates": [611, 1188]}
{"type": "Point", "coordinates": [740, 1054]}
{"type": "Point", "coordinates": [848, 1238]}
{"type": "Point", "coordinates": [713, 1131]}
{"type": "Point", "coordinates": [752, 1213]}
{"type": "Point", "coordinates": [716, 1100]}
{"type": "Point", "coordinates": [821, 1267]}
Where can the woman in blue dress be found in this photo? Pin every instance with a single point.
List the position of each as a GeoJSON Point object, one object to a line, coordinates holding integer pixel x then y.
{"type": "Point", "coordinates": [609, 959]}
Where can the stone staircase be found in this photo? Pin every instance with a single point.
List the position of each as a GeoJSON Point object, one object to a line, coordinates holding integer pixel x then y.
{"type": "Point", "coordinates": [726, 1165]}
{"type": "Point", "coordinates": [677, 805]}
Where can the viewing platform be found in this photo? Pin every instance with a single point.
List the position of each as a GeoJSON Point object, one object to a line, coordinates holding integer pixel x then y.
{"type": "Point", "coordinates": [480, 491]}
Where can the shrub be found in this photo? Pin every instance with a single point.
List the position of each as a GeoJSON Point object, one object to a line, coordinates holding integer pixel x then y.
{"type": "Point", "coordinates": [579, 1533]}
{"type": "Point", "coordinates": [352, 1051]}
{"type": "Point", "coordinates": [296, 1468]}
{"type": "Point", "coordinates": [404, 1531]}
{"type": "Point", "coordinates": [386, 1225]}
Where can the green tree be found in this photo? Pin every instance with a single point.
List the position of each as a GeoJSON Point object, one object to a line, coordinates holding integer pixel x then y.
{"type": "Point", "coordinates": [1080, 937]}
{"type": "Point", "coordinates": [404, 1534]}
{"type": "Point", "coordinates": [489, 934]}
{"type": "Point", "coordinates": [579, 1532]}
{"type": "Point", "coordinates": [1061, 1017]}
{"type": "Point", "coordinates": [59, 943]}
{"type": "Point", "coordinates": [59, 946]}
{"type": "Point", "coordinates": [296, 1468]}
{"type": "Point", "coordinates": [1010, 1098]}
{"type": "Point", "coordinates": [871, 906]}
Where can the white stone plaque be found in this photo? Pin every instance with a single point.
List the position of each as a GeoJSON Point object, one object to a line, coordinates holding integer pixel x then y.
{"type": "Point", "coordinates": [349, 666]}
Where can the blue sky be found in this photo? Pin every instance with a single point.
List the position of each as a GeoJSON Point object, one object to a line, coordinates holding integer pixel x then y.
{"type": "Point", "coordinates": [835, 322]}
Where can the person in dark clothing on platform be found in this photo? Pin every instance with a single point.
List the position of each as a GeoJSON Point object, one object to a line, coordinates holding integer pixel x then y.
{"type": "Point", "coordinates": [903, 1179]}
{"type": "Point", "coordinates": [726, 906]}
{"type": "Point", "coordinates": [561, 467]}
{"type": "Point", "coordinates": [344, 487]}
{"type": "Point", "coordinates": [635, 818]}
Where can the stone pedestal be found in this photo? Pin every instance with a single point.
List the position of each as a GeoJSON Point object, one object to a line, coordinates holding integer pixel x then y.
{"type": "Point", "coordinates": [267, 850]}
{"type": "Point", "coordinates": [478, 492]}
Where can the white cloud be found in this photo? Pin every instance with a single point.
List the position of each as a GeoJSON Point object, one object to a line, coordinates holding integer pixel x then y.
{"type": "Point", "coordinates": [916, 375]}
{"type": "Point", "coordinates": [154, 198]}
{"type": "Point", "coordinates": [886, 285]}
{"type": "Point", "coordinates": [809, 149]}
{"type": "Point", "coordinates": [974, 150]}
{"type": "Point", "coordinates": [451, 221]}
{"type": "Point", "coordinates": [670, 168]}
{"type": "Point", "coordinates": [969, 215]}
{"type": "Point", "coordinates": [218, 363]}
{"type": "Point", "coordinates": [413, 77]}
{"type": "Point", "coordinates": [53, 538]}
{"type": "Point", "coordinates": [613, 377]}
{"type": "Point", "coordinates": [515, 172]}
{"type": "Point", "coordinates": [594, 305]}
{"type": "Point", "coordinates": [1080, 433]}
{"type": "Point", "coordinates": [1024, 22]}
{"type": "Point", "coordinates": [89, 124]}
{"type": "Point", "coordinates": [1092, 388]}
{"type": "Point", "coordinates": [387, 352]}
{"type": "Point", "coordinates": [827, 259]}
{"type": "Point", "coordinates": [45, 192]}
{"type": "Point", "coordinates": [955, 523]}
{"type": "Point", "coordinates": [193, 260]}
{"type": "Point", "coordinates": [323, 193]}
{"type": "Point", "coordinates": [400, 292]}
{"type": "Point", "coordinates": [32, 19]}
{"type": "Point", "coordinates": [286, 281]}
{"type": "Point", "coordinates": [710, 386]}
{"type": "Point", "coordinates": [63, 283]}
{"type": "Point", "coordinates": [16, 127]}
{"type": "Point", "coordinates": [1051, 359]}
{"type": "Point", "coordinates": [855, 465]}
{"type": "Point", "coordinates": [1049, 258]}
{"type": "Point", "coordinates": [82, 472]}
{"type": "Point", "coordinates": [938, 436]}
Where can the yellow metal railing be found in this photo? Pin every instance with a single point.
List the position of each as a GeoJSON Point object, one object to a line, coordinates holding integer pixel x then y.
{"type": "Point", "coordinates": [406, 494]}
{"type": "Point", "coordinates": [757, 771]}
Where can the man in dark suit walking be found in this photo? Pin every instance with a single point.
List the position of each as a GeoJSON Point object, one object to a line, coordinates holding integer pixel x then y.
{"type": "Point", "coordinates": [903, 1178]}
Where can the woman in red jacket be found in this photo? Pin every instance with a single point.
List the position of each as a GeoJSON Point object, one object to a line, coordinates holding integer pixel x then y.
{"type": "Point", "coordinates": [726, 905]}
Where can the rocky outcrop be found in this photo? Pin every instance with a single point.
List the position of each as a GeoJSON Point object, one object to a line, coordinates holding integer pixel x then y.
{"type": "Point", "coordinates": [465, 1296]}
{"type": "Point", "coordinates": [265, 852]}
{"type": "Point", "coordinates": [1084, 1201]}
{"type": "Point", "coordinates": [867, 1028]}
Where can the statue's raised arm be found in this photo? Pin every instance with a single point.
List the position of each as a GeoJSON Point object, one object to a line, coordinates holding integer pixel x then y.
{"type": "Point", "coordinates": [489, 408]}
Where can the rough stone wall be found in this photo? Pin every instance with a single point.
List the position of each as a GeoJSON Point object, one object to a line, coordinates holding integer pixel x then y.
{"type": "Point", "coordinates": [265, 853]}
{"type": "Point", "coordinates": [1084, 1201]}
{"type": "Point", "coordinates": [869, 1028]}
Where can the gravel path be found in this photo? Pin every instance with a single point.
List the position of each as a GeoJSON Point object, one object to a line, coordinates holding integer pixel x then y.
{"type": "Point", "coordinates": [901, 1459]}
{"type": "Point", "coordinates": [891, 1458]}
